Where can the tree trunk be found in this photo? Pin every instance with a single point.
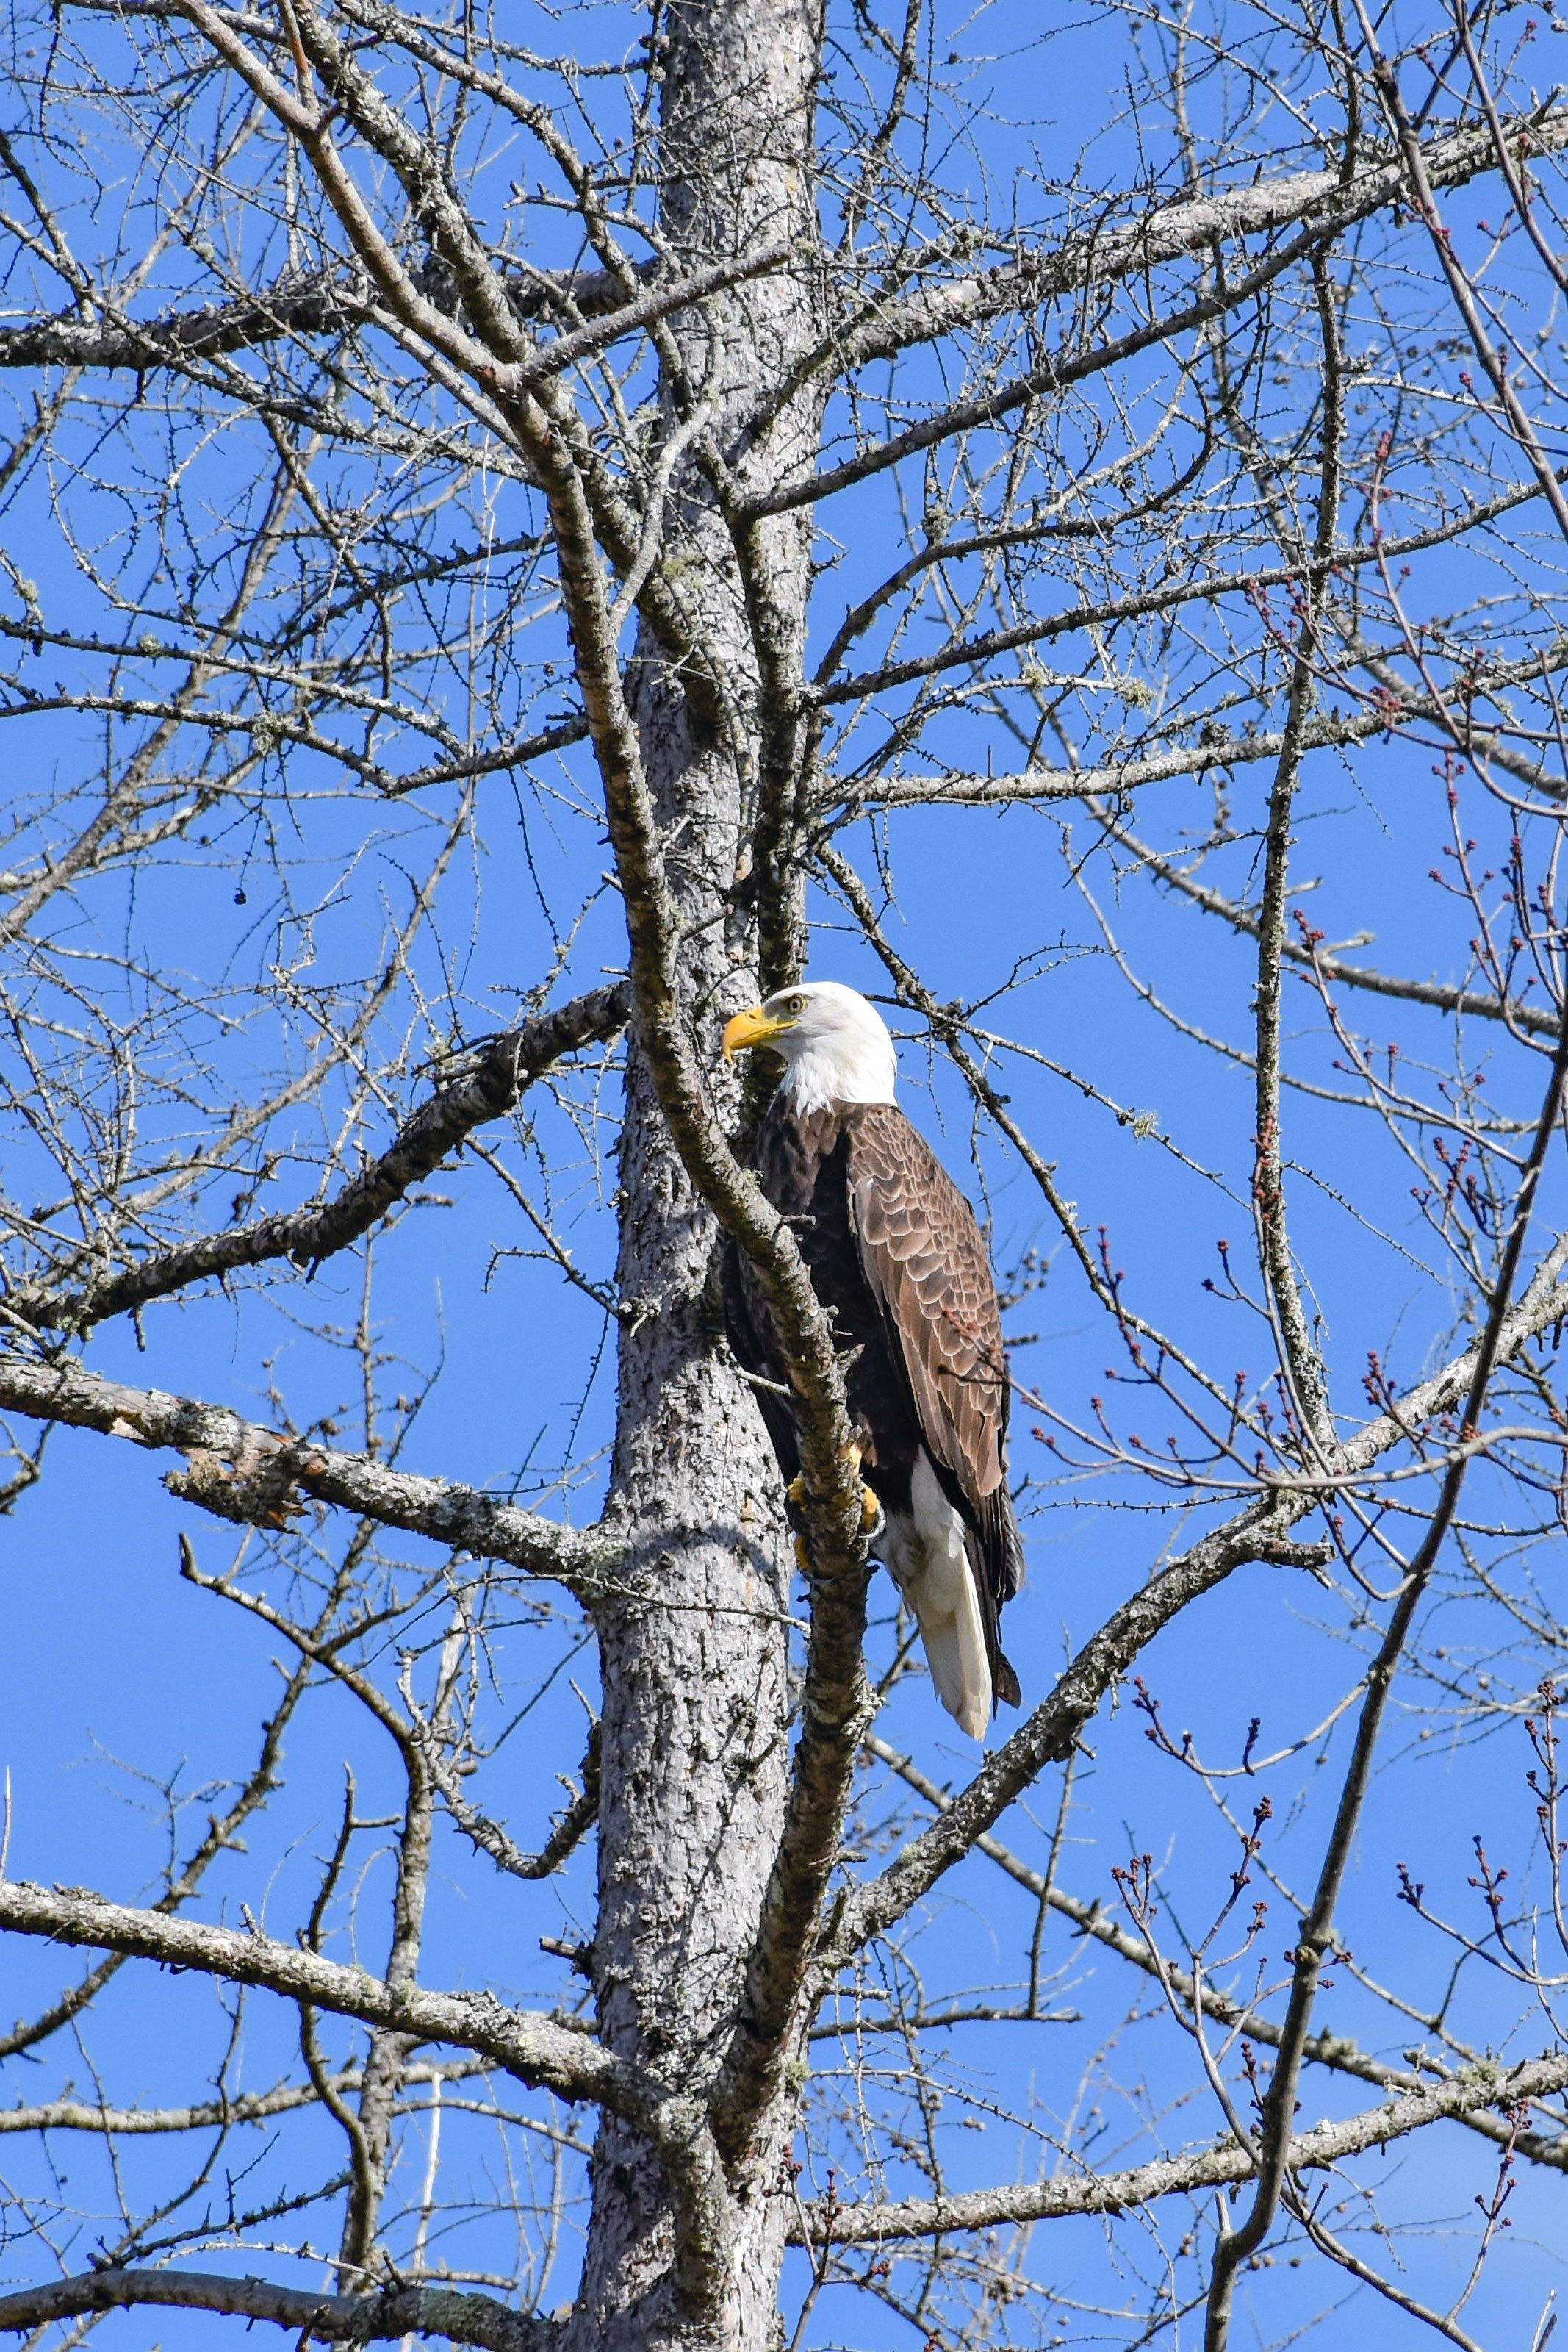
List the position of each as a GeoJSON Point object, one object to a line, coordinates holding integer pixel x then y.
{"type": "Point", "coordinates": [695, 1657]}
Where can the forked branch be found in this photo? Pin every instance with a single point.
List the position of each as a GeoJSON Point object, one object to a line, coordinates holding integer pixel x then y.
{"type": "Point", "coordinates": [1260, 1532]}
{"type": "Point", "coordinates": [488, 1084]}
{"type": "Point", "coordinates": [1112, 250]}
{"type": "Point", "coordinates": [1313, 1944]}
{"type": "Point", "coordinates": [523, 2043]}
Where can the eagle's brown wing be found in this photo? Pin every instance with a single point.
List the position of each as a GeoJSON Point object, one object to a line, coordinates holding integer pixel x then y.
{"type": "Point", "coordinates": [924, 1257]}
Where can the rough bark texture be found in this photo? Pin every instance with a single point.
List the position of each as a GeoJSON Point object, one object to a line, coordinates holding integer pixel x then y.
{"type": "Point", "coordinates": [695, 1767]}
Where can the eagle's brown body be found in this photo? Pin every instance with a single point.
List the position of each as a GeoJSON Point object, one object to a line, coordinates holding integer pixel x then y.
{"type": "Point", "coordinates": [895, 1252]}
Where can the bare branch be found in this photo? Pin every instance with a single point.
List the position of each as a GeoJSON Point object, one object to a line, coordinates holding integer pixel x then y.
{"type": "Point", "coordinates": [241, 1471]}
{"type": "Point", "coordinates": [1299, 1351]}
{"type": "Point", "coordinates": [210, 2114]}
{"type": "Point", "coordinates": [524, 2044]}
{"type": "Point", "coordinates": [487, 1084]}
{"type": "Point", "coordinates": [1105, 255]}
{"type": "Point", "coordinates": [566, 1833]}
{"type": "Point", "coordinates": [1491, 2085]}
{"type": "Point", "coordinates": [1336, 2051]}
{"type": "Point", "coordinates": [1331, 210]}
{"type": "Point", "coordinates": [1260, 1532]}
{"type": "Point", "coordinates": [307, 305]}
{"type": "Point", "coordinates": [1313, 1944]}
{"type": "Point", "coordinates": [1473, 1003]}
{"type": "Point", "coordinates": [462, 2317]}
{"type": "Point", "coordinates": [318, 306]}
{"type": "Point", "coordinates": [1311, 569]}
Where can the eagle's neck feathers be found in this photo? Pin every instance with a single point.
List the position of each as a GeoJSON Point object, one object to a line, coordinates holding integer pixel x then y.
{"type": "Point", "coordinates": [839, 1070]}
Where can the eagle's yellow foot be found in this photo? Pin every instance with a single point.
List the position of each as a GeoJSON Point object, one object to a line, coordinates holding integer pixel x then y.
{"type": "Point", "coordinates": [871, 1506]}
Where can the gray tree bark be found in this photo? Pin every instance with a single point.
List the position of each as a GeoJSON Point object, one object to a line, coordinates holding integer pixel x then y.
{"type": "Point", "coordinates": [694, 1655]}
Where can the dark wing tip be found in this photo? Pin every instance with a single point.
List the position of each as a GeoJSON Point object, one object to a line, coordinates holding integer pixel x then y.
{"type": "Point", "coordinates": [1005, 1682]}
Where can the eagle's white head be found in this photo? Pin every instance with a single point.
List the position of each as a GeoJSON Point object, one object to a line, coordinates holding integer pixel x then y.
{"type": "Point", "coordinates": [835, 1046]}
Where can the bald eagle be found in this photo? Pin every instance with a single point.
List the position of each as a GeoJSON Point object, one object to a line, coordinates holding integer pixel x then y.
{"type": "Point", "coordinates": [896, 1255]}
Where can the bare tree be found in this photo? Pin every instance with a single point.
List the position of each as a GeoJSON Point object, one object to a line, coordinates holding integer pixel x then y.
{"type": "Point", "coordinates": [753, 485]}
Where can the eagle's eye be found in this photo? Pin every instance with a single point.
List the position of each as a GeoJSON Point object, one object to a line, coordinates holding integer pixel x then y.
{"type": "Point", "coordinates": [795, 1005]}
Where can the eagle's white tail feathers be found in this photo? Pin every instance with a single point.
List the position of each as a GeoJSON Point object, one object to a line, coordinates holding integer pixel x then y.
{"type": "Point", "coordinates": [927, 1555]}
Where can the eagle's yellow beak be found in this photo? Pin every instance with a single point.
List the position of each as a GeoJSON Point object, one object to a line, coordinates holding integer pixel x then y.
{"type": "Point", "coordinates": [753, 1028]}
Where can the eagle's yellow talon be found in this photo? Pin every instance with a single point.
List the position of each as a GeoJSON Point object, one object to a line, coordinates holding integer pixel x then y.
{"type": "Point", "coordinates": [795, 1492]}
{"type": "Point", "coordinates": [871, 1504]}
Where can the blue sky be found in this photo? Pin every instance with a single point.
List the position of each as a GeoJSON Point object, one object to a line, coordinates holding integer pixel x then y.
{"type": "Point", "coordinates": [119, 1678]}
